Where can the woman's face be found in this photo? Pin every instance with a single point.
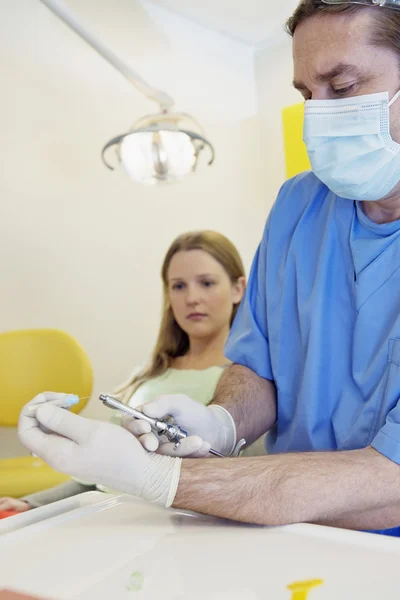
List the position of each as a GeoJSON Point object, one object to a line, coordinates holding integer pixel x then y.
{"type": "Point", "coordinates": [201, 293]}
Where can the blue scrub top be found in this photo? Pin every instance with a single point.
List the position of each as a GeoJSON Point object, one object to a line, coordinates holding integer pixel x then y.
{"type": "Point", "coordinates": [321, 318]}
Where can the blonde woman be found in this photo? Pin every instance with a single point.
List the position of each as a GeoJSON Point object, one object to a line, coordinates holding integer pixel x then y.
{"type": "Point", "coordinates": [203, 282]}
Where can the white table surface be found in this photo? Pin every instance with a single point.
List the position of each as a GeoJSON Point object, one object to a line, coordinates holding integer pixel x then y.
{"type": "Point", "coordinates": [90, 552]}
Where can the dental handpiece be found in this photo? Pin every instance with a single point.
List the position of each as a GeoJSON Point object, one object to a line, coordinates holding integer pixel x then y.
{"type": "Point", "coordinates": [166, 427]}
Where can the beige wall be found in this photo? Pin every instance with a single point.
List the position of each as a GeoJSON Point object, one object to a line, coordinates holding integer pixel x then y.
{"type": "Point", "coordinates": [81, 247]}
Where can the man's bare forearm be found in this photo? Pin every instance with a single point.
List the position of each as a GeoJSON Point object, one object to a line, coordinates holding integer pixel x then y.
{"type": "Point", "coordinates": [250, 399]}
{"type": "Point", "coordinates": [359, 489]}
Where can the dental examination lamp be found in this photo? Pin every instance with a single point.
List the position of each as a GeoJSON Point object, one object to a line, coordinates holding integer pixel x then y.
{"type": "Point", "coordinates": [158, 148]}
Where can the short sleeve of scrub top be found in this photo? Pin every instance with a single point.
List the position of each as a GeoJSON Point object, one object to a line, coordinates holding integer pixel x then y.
{"type": "Point", "coordinates": [247, 343]}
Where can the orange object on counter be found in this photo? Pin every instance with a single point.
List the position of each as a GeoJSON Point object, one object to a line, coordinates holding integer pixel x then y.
{"type": "Point", "coordinates": [7, 513]}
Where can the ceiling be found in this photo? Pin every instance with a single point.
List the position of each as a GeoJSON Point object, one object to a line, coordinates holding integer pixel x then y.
{"type": "Point", "coordinates": [251, 21]}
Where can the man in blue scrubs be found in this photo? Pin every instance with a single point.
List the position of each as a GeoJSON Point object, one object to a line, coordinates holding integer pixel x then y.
{"type": "Point", "coordinates": [316, 343]}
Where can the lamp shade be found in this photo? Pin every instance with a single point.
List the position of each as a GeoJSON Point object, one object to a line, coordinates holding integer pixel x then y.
{"type": "Point", "coordinates": [150, 157]}
{"type": "Point", "coordinates": [157, 150]}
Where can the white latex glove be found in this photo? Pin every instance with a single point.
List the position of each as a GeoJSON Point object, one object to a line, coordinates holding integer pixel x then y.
{"type": "Point", "coordinates": [97, 451]}
{"type": "Point", "coordinates": [61, 400]}
{"type": "Point", "coordinates": [207, 427]}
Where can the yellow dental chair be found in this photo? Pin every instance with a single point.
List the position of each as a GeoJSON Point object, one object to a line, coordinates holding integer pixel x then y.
{"type": "Point", "coordinates": [296, 155]}
{"type": "Point", "coordinates": [34, 361]}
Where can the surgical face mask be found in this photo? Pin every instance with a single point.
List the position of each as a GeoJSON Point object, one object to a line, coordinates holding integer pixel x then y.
{"type": "Point", "coordinates": [350, 146]}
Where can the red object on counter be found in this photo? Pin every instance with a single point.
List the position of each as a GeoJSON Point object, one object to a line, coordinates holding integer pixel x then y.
{"type": "Point", "coordinates": [7, 513]}
{"type": "Point", "coordinates": [10, 595]}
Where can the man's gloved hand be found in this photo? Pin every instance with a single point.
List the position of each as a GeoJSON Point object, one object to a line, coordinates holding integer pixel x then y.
{"type": "Point", "coordinates": [96, 451]}
{"type": "Point", "coordinates": [207, 427]}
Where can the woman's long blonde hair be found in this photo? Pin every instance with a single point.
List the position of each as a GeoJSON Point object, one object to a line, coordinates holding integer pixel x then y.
{"type": "Point", "coordinates": [172, 341]}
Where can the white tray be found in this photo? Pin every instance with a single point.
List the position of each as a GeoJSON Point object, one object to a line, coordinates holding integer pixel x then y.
{"type": "Point", "coordinates": [92, 551]}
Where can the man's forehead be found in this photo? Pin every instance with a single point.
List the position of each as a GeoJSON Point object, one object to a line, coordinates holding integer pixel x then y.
{"type": "Point", "coordinates": [338, 23]}
{"type": "Point", "coordinates": [327, 33]}
{"type": "Point", "coordinates": [325, 47]}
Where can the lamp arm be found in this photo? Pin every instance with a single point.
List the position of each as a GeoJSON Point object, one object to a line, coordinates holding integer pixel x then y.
{"type": "Point", "coordinates": [59, 9]}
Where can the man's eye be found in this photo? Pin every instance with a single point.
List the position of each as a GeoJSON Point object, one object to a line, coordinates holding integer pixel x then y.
{"type": "Point", "coordinates": [344, 91]}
